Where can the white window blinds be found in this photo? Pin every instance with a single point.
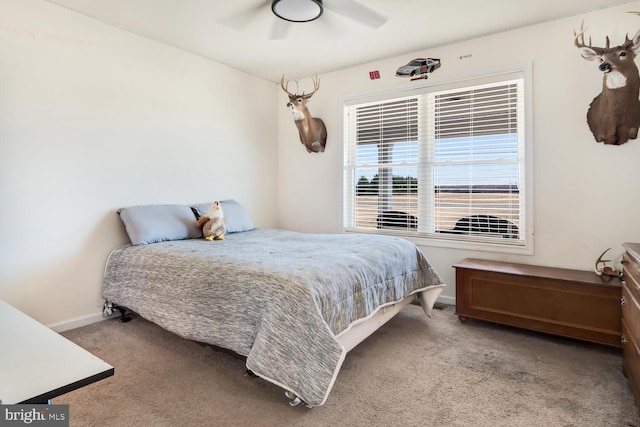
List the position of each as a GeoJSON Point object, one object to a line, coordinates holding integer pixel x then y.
{"type": "Point", "coordinates": [387, 159]}
{"type": "Point", "coordinates": [441, 164]}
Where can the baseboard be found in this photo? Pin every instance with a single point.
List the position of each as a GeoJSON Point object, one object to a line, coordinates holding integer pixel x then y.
{"type": "Point", "coordinates": [446, 300]}
{"type": "Point", "coordinates": [80, 321]}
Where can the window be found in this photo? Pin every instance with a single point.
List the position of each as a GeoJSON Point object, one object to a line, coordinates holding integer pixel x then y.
{"type": "Point", "coordinates": [441, 163]}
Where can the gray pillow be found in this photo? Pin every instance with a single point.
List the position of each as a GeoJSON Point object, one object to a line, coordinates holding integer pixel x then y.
{"type": "Point", "coordinates": [237, 218]}
{"type": "Point", "coordinates": [158, 223]}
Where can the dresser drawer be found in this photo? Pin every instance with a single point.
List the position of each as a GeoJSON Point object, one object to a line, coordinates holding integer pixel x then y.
{"type": "Point", "coordinates": [631, 317]}
{"type": "Point", "coordinates": [631, 313]}
{"type": "Point", "coordinates": [632, 275]}
{"type": "Point", "coordinates": [631, 361]}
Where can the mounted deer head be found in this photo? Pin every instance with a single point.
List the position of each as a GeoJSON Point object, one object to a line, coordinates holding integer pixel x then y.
{"type": "Point", "coordinates": [313, 133]}
{"type": "Point", "coordinates": [614, 115]}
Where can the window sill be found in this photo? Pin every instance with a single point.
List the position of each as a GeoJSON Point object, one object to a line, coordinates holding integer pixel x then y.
{"type": "Point", "coordinates": [453, 243]}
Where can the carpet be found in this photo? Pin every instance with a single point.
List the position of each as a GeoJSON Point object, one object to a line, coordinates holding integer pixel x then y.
{"type": "Point", "coordinates": [414, 371]}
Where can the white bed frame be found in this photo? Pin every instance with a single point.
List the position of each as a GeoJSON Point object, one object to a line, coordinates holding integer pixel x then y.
{"type": "Point", "coordinates": [359, 330]}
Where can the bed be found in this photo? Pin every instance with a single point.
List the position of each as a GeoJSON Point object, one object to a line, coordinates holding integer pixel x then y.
{"type": "Point", "coordinates": [292, 303]}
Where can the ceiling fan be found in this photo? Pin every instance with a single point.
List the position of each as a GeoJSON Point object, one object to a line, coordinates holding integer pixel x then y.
{"type": "Point", "coordinates": [284, 14]}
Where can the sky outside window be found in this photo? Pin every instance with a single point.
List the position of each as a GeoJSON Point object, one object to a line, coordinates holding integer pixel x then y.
{"type": "Point", "coordinates": [481, 160]}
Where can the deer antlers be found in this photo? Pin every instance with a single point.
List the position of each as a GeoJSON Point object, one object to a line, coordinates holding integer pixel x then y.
{"type": "Point", "coordinates": [578, 40]}
{"type": "Point", "coordinates": [607, 270]}
{"type": "Point", "coordinates": [284, 86]}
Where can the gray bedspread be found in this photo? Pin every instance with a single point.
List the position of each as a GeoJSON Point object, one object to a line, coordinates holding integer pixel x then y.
{"type": "Point", "coordinates": [277, 297]}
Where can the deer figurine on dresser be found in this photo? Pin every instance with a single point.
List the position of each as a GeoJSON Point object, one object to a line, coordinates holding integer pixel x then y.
{"type": "Point", "coordinates": [313, 133]}
{"type": "Point", "coordinates": [614, 115]}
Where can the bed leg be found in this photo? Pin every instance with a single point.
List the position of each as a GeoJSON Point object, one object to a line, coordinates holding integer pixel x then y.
{"type": "Point", "coordinates": [124, 317]}
{"type": "Point", "coordinates": [463, 319]}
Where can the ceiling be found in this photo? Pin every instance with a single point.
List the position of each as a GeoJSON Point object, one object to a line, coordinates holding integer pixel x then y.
{"type": "Point", "coordinates": [244, 34]}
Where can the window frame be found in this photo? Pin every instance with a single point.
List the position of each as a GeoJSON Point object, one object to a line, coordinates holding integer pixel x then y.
{"type": "Point", "coordinates": [451, 241]}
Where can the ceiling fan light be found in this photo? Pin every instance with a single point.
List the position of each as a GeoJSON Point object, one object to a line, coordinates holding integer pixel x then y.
{"type": "Point", "coordinates": [297, 10]}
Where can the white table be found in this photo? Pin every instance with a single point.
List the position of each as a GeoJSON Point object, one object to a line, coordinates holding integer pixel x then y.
{"type": "Point", "coordinates": [38, 364]}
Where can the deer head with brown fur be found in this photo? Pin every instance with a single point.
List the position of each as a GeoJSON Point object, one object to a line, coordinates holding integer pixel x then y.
{"type": "Point", "coordinates": [313, 133]}
{"type": "Point", "coordinates": [614, 115]}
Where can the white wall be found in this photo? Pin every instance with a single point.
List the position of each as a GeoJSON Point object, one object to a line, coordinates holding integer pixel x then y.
{"type": "Point", "coordinates": [585, 193]}
{"type": "Point", "coordinates": [93, 118]}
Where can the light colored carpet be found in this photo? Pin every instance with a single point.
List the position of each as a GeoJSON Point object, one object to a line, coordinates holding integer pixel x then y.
{"type": "Point", "coordinates": [414, 371]}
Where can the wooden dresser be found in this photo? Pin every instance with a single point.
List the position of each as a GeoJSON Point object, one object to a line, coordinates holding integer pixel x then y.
{"type": "Point", "coordinates": [631, 317]}
{"type": "Point", "coordinates": [571, 303]}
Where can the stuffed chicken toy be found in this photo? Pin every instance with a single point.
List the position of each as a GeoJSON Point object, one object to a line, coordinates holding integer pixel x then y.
{"type": "Point", "coordinates": [212, 223]}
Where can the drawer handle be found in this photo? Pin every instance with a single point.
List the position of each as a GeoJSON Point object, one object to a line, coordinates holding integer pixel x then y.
{"type": "Point", "coordinates": [623, 301]}
{"type": "Point", "coordinates": [623, 339]}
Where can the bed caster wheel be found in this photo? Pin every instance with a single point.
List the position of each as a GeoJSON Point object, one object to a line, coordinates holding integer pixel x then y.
{"type": "Point", "coordinates": [296, 400]}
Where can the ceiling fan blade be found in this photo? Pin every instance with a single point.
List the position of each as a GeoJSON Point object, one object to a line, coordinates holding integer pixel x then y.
{"type": "Point", "coordinates": [279, 29]}
{"type": "Point", "coordinates": [242, 19]}
{"type": "Point", "coordinates": [357, 12]}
